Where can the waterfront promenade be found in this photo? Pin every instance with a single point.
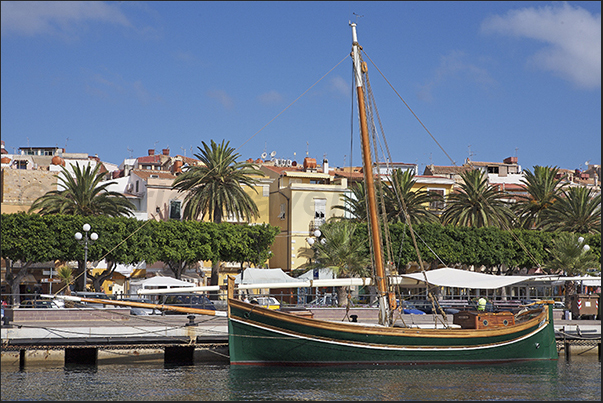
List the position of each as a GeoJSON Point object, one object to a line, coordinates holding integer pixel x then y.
{"type": "Point", "coordinates": [207, 336]}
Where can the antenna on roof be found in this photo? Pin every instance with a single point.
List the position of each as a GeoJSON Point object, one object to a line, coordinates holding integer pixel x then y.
{"type": "Point", "coordinates": [272, 154]}
{"type": "Point", "coordinates": [130, 151]}
{"type": "Point", "coordinates": [183, 150]}
{"type": "Point", "coordinates": [357, 16]}
{"type": "Point", "coordinates": [264, 155]}
{"type": "Point", "coordinates": [471, 153]}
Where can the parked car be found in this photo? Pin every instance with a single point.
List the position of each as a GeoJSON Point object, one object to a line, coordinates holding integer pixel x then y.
{"type": "Point", "coordinates": [409, 308]}
{"type": "Point", "coordinates": [39, 303]}
{"type": "Point", "coordinates": [187, 300]}
{"type": "Point", "coordinates": [92, 294]}
{"type": "Point", "coordinates": [142, 311]}
{"type": "Point", "coordinates": [266, 302]}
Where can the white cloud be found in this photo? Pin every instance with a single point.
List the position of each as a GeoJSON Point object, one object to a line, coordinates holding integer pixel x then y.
{"type": "Point", "coordinates": [341, 86]}
{"type": "Point", "coordinates": [109, 85]}
{"type": "Point", "coordinates": [270, 97]}
{"type": "Point", "coordinates": [56, 17]}
{"type": "Point", "coordinates": [222, 97]}
{"type": "Point", "coordinates": [455, 66]}
{"type": "Point", "coordinates": [572, 35]}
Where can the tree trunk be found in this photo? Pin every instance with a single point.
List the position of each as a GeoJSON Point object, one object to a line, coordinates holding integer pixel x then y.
{"type": "Point", "coordinates": [342, 296]}
{"type": "Point", "coordinates": [570, 289]}
{"type": "Point", "coordinates": [215, 271]}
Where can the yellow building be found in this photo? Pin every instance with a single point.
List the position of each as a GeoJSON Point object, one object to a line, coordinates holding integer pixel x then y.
{"type": "Point", "coordinates": [301, 200]}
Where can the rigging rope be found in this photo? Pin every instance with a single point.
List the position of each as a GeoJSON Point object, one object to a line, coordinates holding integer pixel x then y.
{"type": "Point", "coordinates": [500, 218]}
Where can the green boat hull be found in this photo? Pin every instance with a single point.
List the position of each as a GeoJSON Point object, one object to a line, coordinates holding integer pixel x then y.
{"type": "Point", "coordinates": [263, 337]}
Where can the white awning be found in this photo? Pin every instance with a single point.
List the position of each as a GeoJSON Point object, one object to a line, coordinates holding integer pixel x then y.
{"type": "Point", "coordinates": [448, 277]}
{"type": "Point", "coordinates": [163, 282]}
{"type": "Point", "coordinates": [323, 274]}
{"type": "Point", "coordinates": [252, 275]}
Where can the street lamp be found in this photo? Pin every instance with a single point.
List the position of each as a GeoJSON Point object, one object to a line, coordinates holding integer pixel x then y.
{"type": "Point", "coordinates": [585, 248]}
{"type": "Point", "coordinates": [78, 237]}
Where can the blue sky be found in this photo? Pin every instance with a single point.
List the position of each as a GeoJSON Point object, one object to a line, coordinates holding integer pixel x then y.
{"type": "Point", "coordinates": [489, 80]}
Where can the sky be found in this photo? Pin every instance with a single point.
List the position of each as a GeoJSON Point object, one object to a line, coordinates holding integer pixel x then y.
{"type": "Point", "coordinates": [451, 80]}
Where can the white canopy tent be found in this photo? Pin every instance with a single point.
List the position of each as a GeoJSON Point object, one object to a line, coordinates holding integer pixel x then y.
{"type": "Point", "coordinates": [127, 269]}
{"type": "Point", "coordinates": [158, 282]}
{"type": "Point", "coordinates": [253, 275]}
{"type": "Point", "coordinates": [323, 274]}
{"type": "Point", "coordinates": [449, 277]}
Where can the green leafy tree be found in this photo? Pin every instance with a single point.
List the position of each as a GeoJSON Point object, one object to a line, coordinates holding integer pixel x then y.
{"type": "Point", "coordinates": [570, 255]}
{"type": "Point", "coordinates": [26, 239]}
{"type": "Point", "coordinates": [122, 240]}
{"type": "Point", "coordinates": [577, 209]}
{"type": "Point", "coordinates": [182, 244]}
{"type": "Point", "coordinates": [416, 202]}
{"type": "Point", "coordinates": [248, 243]}
{"type": "Point", "coordinates": [543, 187]}
{"type": "Point", "coordinates": [342, 251]}
{"type": "Point", "coordinates": [83, 195]}
{"type": "Point", "coordinates": [216, 188]}
{"type": "Point", "coordinates": [477, 204]}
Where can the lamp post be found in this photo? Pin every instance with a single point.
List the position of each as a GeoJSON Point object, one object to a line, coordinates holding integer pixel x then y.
{"type": "Point", "coordinates": [78, 237]}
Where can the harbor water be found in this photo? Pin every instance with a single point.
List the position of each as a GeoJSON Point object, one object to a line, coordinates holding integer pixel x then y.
{"type": "Point", "coordinates": [576, 379]}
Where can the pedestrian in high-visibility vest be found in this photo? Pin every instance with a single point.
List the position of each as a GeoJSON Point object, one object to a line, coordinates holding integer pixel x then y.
{"type": "Point", "coordinates": [481, 304]}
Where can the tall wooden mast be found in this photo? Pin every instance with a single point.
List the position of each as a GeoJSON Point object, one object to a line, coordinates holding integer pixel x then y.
{"type": "Point", "coordinates": [385, 315]}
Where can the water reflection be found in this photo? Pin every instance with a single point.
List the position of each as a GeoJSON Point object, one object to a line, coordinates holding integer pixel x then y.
{"type": "Point", "coordinates": [578, 379]}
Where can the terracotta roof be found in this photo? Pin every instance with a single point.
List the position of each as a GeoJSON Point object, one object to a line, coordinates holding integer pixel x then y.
{"type": "Point", "coordinates": [149, 159]}
{"type": "Point", "coordinates": [282, 170]}
{"type": "Point", "coordinates": [352, 176]}
{"type": "Point", "coordinates": [445, 169]}
{"type": "Point", "coordinates": [510, 187]}
{"type": "Point", "coordinates": [146, 174]}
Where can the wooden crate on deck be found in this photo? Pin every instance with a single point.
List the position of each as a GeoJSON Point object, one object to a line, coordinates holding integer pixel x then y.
{"type": "Point", "coordinates": [483, 320]}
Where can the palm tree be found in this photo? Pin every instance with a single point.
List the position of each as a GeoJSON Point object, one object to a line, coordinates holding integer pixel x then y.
{"type": "Point", "coordinates": [542, 187]}
{"type": "Point", "coordinates": [477, 204]}
{"type": "Point", "coordinates": [416, 202]}
{"type": "Point", "coordinates": [216, 188]}
{"type": "Point", "coordinates": [570, 256]}
{"type": "Point", "coordinates": [342, 252]}
{"type": "Point", "coordinates": [84, 195]}
{"type": "Point", "coordinates": [354, 203]}
{"type": "Point", "coordinates": [65, 273]}
{"type": "Point", "coordinates": [577, 209]}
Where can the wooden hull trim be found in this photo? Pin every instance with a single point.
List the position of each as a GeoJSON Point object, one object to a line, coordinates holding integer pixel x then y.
{"type": "Point", "coordinates": [389, 331]}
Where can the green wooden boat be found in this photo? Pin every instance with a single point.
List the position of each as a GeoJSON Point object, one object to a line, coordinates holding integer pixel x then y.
{"type": "Point", "coordinates": [260, 336]}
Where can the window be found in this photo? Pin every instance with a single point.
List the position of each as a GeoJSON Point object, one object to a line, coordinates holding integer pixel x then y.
{"type": "Point", "coordinates": [437, 204]}
{"type": "Point", "coordinates": [281, 215]}
{"type": "Point", "coordinates": [175, 209]}
{"type": "Point", "coordinates": [320, 209]}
